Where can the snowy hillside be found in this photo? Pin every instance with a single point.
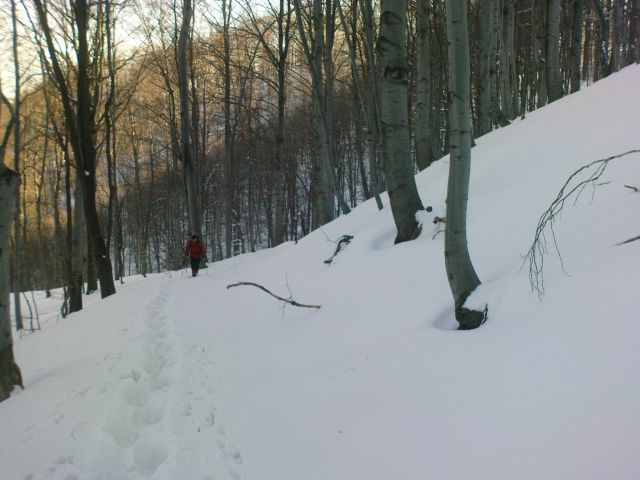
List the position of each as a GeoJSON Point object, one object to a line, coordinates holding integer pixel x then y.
{"type": "Point", "coordinates": [180, 378]}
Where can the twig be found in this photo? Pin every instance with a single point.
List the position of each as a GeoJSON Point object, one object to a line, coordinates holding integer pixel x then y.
{"type": "Point", "coordinates": [629, 240]}
{"type": "Point", "coordinates": [282, 299]}
{"type": "Point", "coordinates": [538, 249]}
{"type": "Point", "coordinates": [633, 188]}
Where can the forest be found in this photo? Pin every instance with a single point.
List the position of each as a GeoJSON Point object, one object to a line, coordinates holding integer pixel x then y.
{"type": "Point", "coordinates": [129, 125]}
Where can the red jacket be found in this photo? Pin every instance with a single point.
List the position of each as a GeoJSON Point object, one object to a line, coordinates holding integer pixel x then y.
{"type": "Point", "coordinates": [194, 249]}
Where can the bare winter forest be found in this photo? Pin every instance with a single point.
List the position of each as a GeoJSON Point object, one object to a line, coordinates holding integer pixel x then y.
{"type": "Point", "coordinates": [128, 125]}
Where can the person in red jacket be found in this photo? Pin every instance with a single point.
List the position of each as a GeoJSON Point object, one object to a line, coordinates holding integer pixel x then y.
{"type": "Point", "coordinates": [195, 251]}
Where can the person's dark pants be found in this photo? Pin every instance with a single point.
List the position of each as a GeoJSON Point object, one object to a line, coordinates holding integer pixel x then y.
{"type": "Point", "coordinates": [195, 265]}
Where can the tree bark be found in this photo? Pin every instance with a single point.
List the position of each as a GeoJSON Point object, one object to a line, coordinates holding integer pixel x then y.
{"type": "Point", "coordinates": [229, 183]}
{"type": "Point", "coordinates": [396, 145]}
{"type": "Point", "coordinates": [372, 104]}
{"type": "Point", "coordinates": [602, 58]}
{"type": "Point", "coordinates": [633, 50]}
{"type": "Point", "coordinates": [616, 44]}
{"type": "Point", "coordinates": [576, 45]}
{"type": "Point", "coordinates": [554, 77]}
{"type": "Point", "coordinates": [460, 272]}
{"type": "Point", "coordinates": [10, 375]}
{"type": "Point", "coordinates": [17, 150]}
{"type": "Point", "coordinates": [487, 65]}
{"type": "Point", "coordinates": [79, 254]}
{"type": "Point", "coordinates": [424, 156]}
{"type": "Point", "coordinates": [508, 78]}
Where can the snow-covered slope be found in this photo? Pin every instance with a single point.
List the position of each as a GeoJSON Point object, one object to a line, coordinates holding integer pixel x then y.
{"type": "Point", "coordinates": [180, 378]}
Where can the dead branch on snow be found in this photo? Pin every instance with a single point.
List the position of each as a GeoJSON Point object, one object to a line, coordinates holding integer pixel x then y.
{"type": "Point", "coordinates": [289, 300]}
{"type": "Point", "coordinates": [538, 249]}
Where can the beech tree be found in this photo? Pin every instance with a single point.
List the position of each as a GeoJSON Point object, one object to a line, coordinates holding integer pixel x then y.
{"type": "Point", "coordinates": [424, 156]}
{"type": "Point", "coordinates": [554, 76]}
{"type": "Point", "coordinates": [460, 272]}
{"type": "Point", "coordinates": [396, 146]}
{"type": "Point", "coordinates": [284, 131]}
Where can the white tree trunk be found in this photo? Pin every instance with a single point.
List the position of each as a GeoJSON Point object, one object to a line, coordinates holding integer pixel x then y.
{"type": "Point", "coordinates": [394, 116]}
{"type": "Point", "coordinates": [460, 272]}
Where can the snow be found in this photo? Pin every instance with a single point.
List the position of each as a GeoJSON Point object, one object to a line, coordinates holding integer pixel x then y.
{"type": "Point", "coordinates": [180, 378]}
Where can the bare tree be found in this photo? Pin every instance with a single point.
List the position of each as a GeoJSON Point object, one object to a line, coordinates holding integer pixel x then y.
{"type": "Point", "coordinates": [193, 202]}
{"type": "Point", "coordinates": [398, 168]}
{"type": "Point", "coordinates": [554, 76]}
{"type": "Point", "coordinates": [318, 51]}
{"type": "Point", "coordinates": [460, 272]}
{"type": "Point", "coordinates": [277, 56]}
{"type": "Point", "coordinates": [9, 372]}
{"type": "Point", "coordinates": [424, 156]}
{"type": "Point", "coordinates": [17, 149]}
{"type": "Point", "coordinates": [79, 114]}
{"type": "Point", "coordinates": [487, 68]}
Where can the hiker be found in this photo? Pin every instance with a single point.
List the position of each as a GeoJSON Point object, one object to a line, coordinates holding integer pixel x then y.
{"type": "Point", "coordinates": [195, 251]}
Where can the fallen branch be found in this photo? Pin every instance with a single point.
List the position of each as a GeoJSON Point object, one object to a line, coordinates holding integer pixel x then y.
{"type": "Point", "coordinates": [538, 249]}
{"type": "Point", "coordinates": [630, 240]}
{"type": "Point", "coordinates": [289, 300]}
{"type": "Point", "coordinates": [343, 240]}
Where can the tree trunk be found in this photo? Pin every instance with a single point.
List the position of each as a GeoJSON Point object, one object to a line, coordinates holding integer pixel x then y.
{"type": "Point", "coordinates": [424, 156]}
{"type": "Point", "coordinates": [193, 205]}
{"type": "Point", "coordinates": [576, 45]}
{"type": "Point", "coordinates": [554, 77]}
{"type": "Point", "coordinates": [322, 191]}
{"type": "Point", "coordinates": [602, 58]}
{"type": "Point", "coordinates": [322, 168]}
{"type": "Point", "coordinates": [17, 149]}
{"type": "Point", "coordinates": [396, 146]}
{"type": "Point", "coordinates": [616, 40]}
{"type": "Point", "coordinates": [284, 25]}
{"type": "Point", "coordinates": [229, 184]}
{"type": "Point", "coordinates": [10, 375]}
{"type": "Point", "coordinates": [373, 100]}
{"type": "Point", "coordinates": [633, 50]}
{"type": "Point", "coordinates": [73, 291]}
{"type": "Point", "coordinates": [586, 48]}
{"type": "Point", "coordinates": [80, 257]}
{"type": "Point", "coordinates": [487, 65]}
{"type": "Point", "coordinates": [85, 152]}
{"type": "Point", "coordinates": [460, 272]}
{"type": "Point", "coordinates": [508, 109]}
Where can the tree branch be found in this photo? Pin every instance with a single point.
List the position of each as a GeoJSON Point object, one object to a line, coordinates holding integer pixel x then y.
{"type": "Point", "coordinates": [282, 299]}
{"type": "Point", "coordinates": [538, 249]}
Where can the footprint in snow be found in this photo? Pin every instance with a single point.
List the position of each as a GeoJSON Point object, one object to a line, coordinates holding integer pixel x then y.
{"type": "Point", "coordinates": [148, 458]}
